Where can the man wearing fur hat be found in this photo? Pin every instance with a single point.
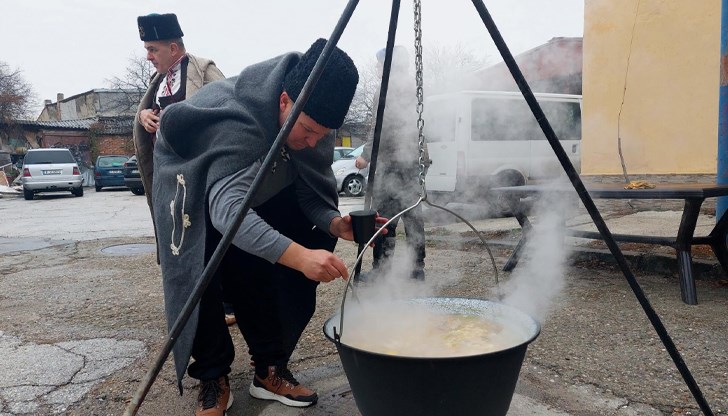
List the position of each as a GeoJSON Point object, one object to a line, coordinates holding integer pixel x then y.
{"type": "Point", "coordinates": [208, 152]}
{"type": "Point", "coordinates": [162, 37]}
{"type": "Point", "coordinates": [178, 76]}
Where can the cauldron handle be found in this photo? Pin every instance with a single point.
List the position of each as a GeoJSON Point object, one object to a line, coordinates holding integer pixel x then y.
{"type": "Point", "coordinates": [349, 284]}
{"type": "Point", "coordinates": [499, 295]}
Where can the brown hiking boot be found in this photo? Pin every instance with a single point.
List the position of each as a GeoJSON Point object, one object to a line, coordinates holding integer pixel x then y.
{"type": "Point", "coordinates": [280, 385]}
{"type": "Point", "coordinates": [214, 397]}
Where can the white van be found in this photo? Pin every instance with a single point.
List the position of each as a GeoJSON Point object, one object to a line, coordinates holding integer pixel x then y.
{"type": "Point", "coordinates": [481, 139]}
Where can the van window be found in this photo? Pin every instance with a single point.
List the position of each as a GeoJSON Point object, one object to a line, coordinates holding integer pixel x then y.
{"type": "Point", "coordinates": [40, 157]}
{"type": "Point", "coordinates": [507, 119]}
{"type": "Point", "coordinates": [439, 121]}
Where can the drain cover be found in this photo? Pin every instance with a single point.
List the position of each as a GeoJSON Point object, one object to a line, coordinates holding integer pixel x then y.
{"type": "Point", "coordinates": [129, 249]}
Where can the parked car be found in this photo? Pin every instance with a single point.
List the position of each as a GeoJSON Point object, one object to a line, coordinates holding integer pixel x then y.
{"type": "Point", "coordinates": [50, 170]}
{"type": "Point", "coordinates": [350, 180]}
{"type": "Point", "coordinates": [132, 179]}
{"type": "Point", "coordinates": [340, 151]}
{"type": "Point", "coordinates": [109, 171]}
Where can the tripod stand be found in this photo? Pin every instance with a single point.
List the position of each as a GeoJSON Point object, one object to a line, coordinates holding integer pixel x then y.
{"type": "Point", "coordinates": [573, 176]}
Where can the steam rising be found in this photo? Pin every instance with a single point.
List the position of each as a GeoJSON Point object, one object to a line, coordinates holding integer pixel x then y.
{"type": "Point", "coordinates": [539, 276]}
{"type": "Point", "coordinates": [533, 285]}
{"type": "Point", "coordinates": [377, 319]}
{"type": "Point", "coordinates": [393, 282]}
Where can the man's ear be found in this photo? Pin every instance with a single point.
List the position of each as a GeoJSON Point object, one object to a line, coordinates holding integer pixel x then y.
{"type": "Point", "coordinates": [284, 101]}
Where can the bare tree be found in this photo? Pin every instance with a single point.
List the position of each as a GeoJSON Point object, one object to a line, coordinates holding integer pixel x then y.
{"type": "Point", "coordinates": [137, 76]}
{"type": "Point", "coordinates": [444, 69]}
{"type": "Point", "coordinates": [16, 95]}
{"type": "Point", "coordinates": [361, 113]}
{"type": "Point", "coordinates": [133, 83]}
{"type": "Point", "coordinates": [449, 68]}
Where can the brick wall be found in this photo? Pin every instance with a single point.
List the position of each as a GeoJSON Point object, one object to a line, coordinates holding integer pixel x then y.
{"type": "Point", "coordinates": [114, 145]}
{"type": "Point", "coordinates": [85, 149]}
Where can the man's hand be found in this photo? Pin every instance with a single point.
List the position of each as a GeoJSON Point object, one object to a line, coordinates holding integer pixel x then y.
{"type": "Point", "coordinates": [361, 163]}
{"type": "Point", "coordinates": [149, 119]}
{"type": "Point", "coordinates": [317, 265]}
{"type": "Point", "coordinates": [341, 227]}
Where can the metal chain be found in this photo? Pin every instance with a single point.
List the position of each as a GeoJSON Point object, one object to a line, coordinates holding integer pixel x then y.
{"type": "Point", "coordinates": [420, 96]}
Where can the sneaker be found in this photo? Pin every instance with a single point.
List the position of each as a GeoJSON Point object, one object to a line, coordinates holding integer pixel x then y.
{"type": "Point", "coordinates": [230, 319]}
{"type": "Point", "coordinates": [280, 385]}
{"type": "Point", "coordinates": [214, 397]}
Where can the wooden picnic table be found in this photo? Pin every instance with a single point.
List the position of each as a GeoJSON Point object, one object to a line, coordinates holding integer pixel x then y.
{"type": "Point", "coordinates": [692, 193]}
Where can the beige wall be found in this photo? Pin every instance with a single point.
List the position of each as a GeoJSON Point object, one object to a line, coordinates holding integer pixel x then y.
{"type": "Point", "coordinates": [667, 53]}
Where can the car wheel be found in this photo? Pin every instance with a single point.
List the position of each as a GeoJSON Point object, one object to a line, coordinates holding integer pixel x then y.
{"type": "Point", "coordinates": [137, 191]}
{"type": "Point", "coordinates": [439, 198]}
{"type": "Point", "coordinates": [98, 188]}
{"type": "Point", "coordinates": [501, 203]}
{"type": "Point", "coordinates": [28, 194]}
{"type": "Point", "coordinates": [354, 186]}
{"type": "Point", "coordinates": [78, 191]}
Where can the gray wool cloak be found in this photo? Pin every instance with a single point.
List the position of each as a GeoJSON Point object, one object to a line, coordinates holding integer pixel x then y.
{"type": "Point", "coordinates": [222, 129]}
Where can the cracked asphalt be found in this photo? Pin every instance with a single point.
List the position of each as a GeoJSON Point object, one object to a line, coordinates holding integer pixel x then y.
{"type": "Point", "coordinates": [55, 376]}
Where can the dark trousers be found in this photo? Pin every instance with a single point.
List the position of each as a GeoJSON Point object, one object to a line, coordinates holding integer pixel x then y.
{"type": "Point", "coordinates": [398, 190]}
{"type": "Point", "coordinates": [272, 303]}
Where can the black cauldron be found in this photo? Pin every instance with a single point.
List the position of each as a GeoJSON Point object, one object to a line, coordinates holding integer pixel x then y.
{"type": "Point", "coordinates": [470, 385]}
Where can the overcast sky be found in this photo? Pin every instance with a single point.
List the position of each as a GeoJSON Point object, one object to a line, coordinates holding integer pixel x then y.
{"type": "Point", "coordinates": [72, 46]}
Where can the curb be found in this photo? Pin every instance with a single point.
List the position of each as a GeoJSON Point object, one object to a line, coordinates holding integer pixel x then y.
{"type": "Point", "coordinates": [653, 262]}
{"type": "Point", "coordinates": [644, 262]}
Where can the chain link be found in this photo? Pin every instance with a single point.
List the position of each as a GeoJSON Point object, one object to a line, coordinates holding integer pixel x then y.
{"type": "Point", "coordinates": [420, 96]}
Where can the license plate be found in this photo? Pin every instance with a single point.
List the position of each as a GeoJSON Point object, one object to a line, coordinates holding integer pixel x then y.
{"type": "Point", "coordinates": [52, 172]}
{"type": "Point", "coordinates": [114, 171]}
{"type": "Point", "coordinates": [135, 171]}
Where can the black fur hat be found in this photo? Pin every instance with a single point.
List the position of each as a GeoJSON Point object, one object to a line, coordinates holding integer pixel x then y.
{"type": "Point", "coordinates": [159, 27]}
{"type": "Point", "coordinates": [330, 100]}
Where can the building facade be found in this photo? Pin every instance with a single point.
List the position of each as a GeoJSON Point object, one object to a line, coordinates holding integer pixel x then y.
{"type": "Point", "coordinates": [650, 87]}
{"type": "Point", "coordinates": [554, 67]}
{"type": "Point", "coordinates": [96, 122]}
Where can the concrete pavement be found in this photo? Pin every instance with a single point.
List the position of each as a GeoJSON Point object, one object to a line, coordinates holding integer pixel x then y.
{"type": "Point", "coordinates": [603, 386]}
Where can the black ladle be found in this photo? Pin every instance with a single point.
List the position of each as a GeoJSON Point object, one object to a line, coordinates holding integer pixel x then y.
{"type": "Point", "coordinates": [364, 226]}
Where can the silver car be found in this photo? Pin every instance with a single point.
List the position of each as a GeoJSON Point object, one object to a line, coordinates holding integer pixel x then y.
{"type": "Point", "coordinates": [50, 170]}
{"type": "Point", "coordinates": [340, 151]}
{"type": "Point", "coordinates": [350, 180]}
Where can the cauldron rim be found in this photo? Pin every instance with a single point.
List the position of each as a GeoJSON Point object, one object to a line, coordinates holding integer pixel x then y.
{"type": "Point", "coordinates": [529, 339]}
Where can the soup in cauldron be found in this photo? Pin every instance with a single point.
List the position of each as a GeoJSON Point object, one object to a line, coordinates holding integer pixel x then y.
{"type": "Point", "coordinates": [416, 330]}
